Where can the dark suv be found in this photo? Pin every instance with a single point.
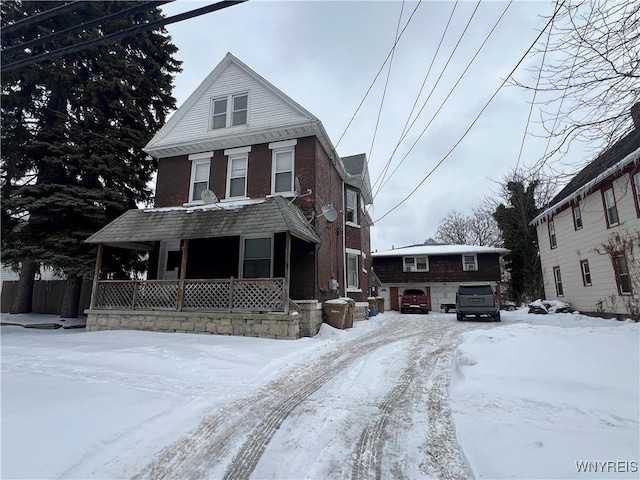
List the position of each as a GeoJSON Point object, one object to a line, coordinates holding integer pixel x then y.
{"type": "Point", "coordinates": [414, 300]}
{"type": "Point", "coordinates": [477, 300]}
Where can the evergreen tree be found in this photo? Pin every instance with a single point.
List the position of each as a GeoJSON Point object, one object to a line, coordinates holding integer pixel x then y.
{"type": "Point", "coordinates": [523, 262]}
{"type": "Point", "coordinates": [73, 129]}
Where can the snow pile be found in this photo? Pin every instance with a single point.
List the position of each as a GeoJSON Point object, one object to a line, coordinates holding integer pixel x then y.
{"type": "Point", "coordinates": [550, 306]}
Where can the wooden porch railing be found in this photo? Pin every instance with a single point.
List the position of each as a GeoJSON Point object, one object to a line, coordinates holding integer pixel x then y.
{"type": "Point", "coordinates": [227, 295]}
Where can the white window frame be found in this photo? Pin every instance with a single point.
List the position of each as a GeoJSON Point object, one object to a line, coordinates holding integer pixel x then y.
{"type": "Point", "coordinates": [355, 272]}
{"type": "Point", "coordinates": [352, 205]}
{"type": "Point", "coordinates": [636, 183]}
{"type": "Point", "coordinates": [626, 274]}
{"type": "Point", "coordinates": [198, 159]}
{"type": "Point", "coordinates": [553, 239]}
{"type": "Point", "coordinates": [586, 272]}
{"type": "Point", "coordinates": [229, 111]}
{"type": "Point", "coordinates": [577, 217]}
{"type": "Point", "coordinates": [608, 207]}
{"type": "Point", "coordinates": [283, 147]}
{"type": "Point", "coordinates": [472, 268]}
{"type": "Point", "coordinates": [243, 238]}
{"type": "Point", "coordinates": [413, 265]}
{"type": "Point", "coordinates": [237, 154]}
{"type": "Point", "coordinates": [557, 278]}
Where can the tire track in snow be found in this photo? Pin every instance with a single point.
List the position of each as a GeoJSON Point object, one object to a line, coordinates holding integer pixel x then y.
{"type": "Point", "coordinates": [213, 440]}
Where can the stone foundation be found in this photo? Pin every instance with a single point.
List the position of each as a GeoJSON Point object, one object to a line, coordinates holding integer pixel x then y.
{"type": "Point", "coordinates": [266, 325]}
{"type": "Point", "coordinates": [310, 317]}
{"type": "Point", "coordinates": [361, 311]}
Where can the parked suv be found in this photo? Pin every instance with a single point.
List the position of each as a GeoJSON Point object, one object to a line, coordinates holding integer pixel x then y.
{"type": "Point", "coordinates": [477, 300]}
{"type": "Point", "coordinates": [414, 300]}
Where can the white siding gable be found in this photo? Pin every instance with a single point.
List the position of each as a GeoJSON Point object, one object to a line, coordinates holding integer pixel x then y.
{"type": "Point", "coordinates": [268, 108]}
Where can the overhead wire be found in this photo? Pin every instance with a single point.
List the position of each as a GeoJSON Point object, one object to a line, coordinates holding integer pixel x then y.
{"type": "Point", "coordinates": [455, 85]}
{"type": "Point", "coordinates": [475, 120]}
{"type": "Point", "coordinates": [121, 34]}
{"type": "Point", "coordinates": [39, 17]}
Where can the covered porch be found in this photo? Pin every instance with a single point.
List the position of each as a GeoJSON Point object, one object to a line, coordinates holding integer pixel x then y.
{"type": "Point", "coordinates": [230, 260]}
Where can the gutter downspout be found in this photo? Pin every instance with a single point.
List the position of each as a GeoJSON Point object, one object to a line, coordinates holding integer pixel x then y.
{"type": "Point", "coordinates": [344, 245]}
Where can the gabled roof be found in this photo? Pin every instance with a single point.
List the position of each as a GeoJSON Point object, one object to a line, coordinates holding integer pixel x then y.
{"type": "Point", "coordinates": [608, 164]}
{"type": "Point", "coordinates": [137, 228]}
{"type": "Point", "coordinates": [356, 167]}
{"type": "Point", "coordinates": [439, 250]}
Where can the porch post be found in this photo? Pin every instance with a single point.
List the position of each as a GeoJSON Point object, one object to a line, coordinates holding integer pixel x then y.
{"type": "Point", "coordinates": [96, 276]}
{"type": "Point", "coordinates": [183, 273]}
{"type": "Point", "coordinates": [287, 272]}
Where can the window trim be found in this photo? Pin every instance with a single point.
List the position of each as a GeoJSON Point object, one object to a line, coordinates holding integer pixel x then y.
{"type": "Point", "coordinates": [356, 272]}
{"type": "Point", "coordinates": [415, 263]}
{"type": "Point", "coordinates": [198, 159]}
{"type": "Point", "coordinates": [576, 208]}
{"type": "Point", "coordinates": [229, 111]}
{"type": "Point", "coordinates": [635, 187]}
{"type": "Point", "coordinates": [274, 153]}
{"type": "Point", "coordinates": [616, 268]}
{"type": "Point", "coordinates": [553, 236]}
{"type": "Point", "coordinates": [586, 283]}
{"type": "Point", "coordinates": [475, 262]}
{"type": "Point", "coordinates": [242, 249]}
{"type": "Point", "coordinates": [353, 194]}
{"type": "Point", "coordinates": [606, 208]}
{"type": "Point", "coordinates": [557, 280]}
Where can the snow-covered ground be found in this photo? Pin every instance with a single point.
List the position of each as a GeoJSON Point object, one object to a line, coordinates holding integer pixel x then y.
{"type": "Point", "coordinates": [531, 397]}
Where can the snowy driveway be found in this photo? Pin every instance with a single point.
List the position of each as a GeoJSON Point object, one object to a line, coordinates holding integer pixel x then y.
{"type": "Point", "coordinates": [375, 407]}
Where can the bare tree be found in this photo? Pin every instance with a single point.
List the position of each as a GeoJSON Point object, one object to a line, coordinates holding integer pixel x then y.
{"type": "Point", "coordinates": [589, 74]}
{"type": "Point", "coordinates": [476, 228]}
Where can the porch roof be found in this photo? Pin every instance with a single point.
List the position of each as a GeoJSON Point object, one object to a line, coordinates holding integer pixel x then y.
{"type": "Point", "coordinates": [137, 228]}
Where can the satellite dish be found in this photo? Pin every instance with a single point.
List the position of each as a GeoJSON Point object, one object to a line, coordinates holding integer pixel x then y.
{"type": "Point", "coordinates": [208, 196]}
{"type": "Point", "coordinates": [296, 188]}
{"type": "Point", "coordinates": [329, 213]}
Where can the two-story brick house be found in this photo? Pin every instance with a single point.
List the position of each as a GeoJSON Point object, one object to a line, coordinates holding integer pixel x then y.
{"type": "Point", "coordinates": [256, 218]}
{"type": "Point", "coordinates": [435, 269]}
{"type": "Point", "coordinates": [589, 236]}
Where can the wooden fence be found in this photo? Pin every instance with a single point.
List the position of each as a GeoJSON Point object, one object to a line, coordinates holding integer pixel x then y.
{"type": "Point", "coordinates": [47, 296]}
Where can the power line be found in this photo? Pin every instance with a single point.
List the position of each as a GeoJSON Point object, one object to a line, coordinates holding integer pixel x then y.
{"type": "Point", "coordinates": [84, 26]}
{"type": "Point", "coordinates": [477, 116]}
{"type": "Point", "coordinates": [40, 17]}
{"type": "Point", "coordinates": [122, 34]}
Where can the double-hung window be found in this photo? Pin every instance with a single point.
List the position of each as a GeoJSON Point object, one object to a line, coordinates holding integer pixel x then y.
{"type": "Point", "coordinates": [257, 253]}
{"type": "Point", "coordinates": [552, 234]}
{"type": "Point", "coordinates": [622, 271]}
{"type": "Point", "coordinates": [416, 264]}
{"type": "Point", "coordinates": [586, 273]}
{"type": "Point", "coordinates": [469, 262]}
{"type": "Point", "coordinates": [558, 280]}
{"type": "Point", "coordinates": [229, 111]}
{"type": "Point", "coordinates": [577, 217]}
{"type": "Point", "coordinates": [237, 172]}
{"type": "Point", "coordinates": [352, 271]}
{"type": "Point", "coordinates": [282, 178]}
{"type": "Point", "coordinates": [636, 191]}
{"type": "Point", "coordinates": [200, 166]}
{"type": "Point", "coordinates": [352, 207]}
{"type": "Point", "coordinates": [611, 211]}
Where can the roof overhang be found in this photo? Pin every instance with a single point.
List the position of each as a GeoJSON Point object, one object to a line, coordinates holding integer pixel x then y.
{"type": "Point", "coordinates": [139, 229]}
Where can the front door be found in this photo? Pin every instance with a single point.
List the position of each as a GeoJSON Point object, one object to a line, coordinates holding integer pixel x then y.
{"type": "Point", "coordinates": [393, 298]}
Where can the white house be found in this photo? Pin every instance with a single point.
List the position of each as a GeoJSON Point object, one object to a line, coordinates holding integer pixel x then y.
{"type": "Point", "coordinates": [589, 237]}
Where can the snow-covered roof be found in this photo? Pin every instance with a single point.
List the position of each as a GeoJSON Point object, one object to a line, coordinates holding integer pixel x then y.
{"type": "Point", "coordinates": [439, 250]}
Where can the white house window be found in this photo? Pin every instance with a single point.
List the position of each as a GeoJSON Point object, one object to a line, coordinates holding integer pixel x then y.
{"type": "Point", "coordinates": [200, 166]}
{"type": "Point", "coordinates": [552, 234]}
{"type": "Point", "coordinates": [256, 257]}
{"type": "Point", "coordinates": [229, 111]}
{"type": "Point", "coordinates": [624, 280]}
{"type": "Point", "coordinates": [577, 217]}
{"type": "Point", "coordinates": [636, 187]}
{"type": "Point", "coordinates": [352, 207]}
{"type": "Point", "coordinates": [610, 207]}
{"type": "Point", "coordinates": [237, 179]}
{"type": "Point", "coordinates": [558, 280]}
{"type": "Point", "coordinates": [352, 271]}
{"type": "Point", "coordinates": [416, 264]}
{"type": "Point", "coordinates": [586, 273]}
{"type": "Point", "coordinates": [469, 262]}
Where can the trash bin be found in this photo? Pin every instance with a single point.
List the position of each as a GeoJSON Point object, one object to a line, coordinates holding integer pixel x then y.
{"type": "Point", "coordinates": [351, 303]}
{"type": "Point", "coordinates": [380, 302]}
{"type": "Point", "coordinates": [373, 306]}
{"type": "Point", "coordinates": [335, 312]}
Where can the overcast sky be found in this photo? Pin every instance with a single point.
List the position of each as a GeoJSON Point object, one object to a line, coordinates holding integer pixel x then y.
{"type": "Point", "coordinates": [325, 56]}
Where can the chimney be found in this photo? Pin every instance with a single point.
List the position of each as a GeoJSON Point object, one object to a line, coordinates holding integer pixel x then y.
{"type": "Point", "coordinates": [635, 115]}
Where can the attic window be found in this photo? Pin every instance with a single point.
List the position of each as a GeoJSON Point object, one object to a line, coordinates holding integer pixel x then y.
{"type": "Point", "coordinates": [229, 111]}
